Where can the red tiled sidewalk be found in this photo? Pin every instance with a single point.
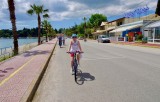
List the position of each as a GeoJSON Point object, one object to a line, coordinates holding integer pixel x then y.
{"type": "Point", "coordinates": [139, 44]}
{"type": "Point", "coordinates": [18, 74]}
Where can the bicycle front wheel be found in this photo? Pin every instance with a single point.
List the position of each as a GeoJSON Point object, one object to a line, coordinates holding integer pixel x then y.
{"type": "Point", "coordinates": [75, 73]}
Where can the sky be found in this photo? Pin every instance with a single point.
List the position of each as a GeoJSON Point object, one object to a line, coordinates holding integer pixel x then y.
{"type": "Point", "coordinates": [67, 13]}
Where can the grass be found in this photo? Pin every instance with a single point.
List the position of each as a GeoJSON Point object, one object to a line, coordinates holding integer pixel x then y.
{"type": "Point", "coordinates": [21, 50]}
{"type": "Point", "coordinates": [138, 41]}
{"type": "Point", "coordinates": [5, 57]}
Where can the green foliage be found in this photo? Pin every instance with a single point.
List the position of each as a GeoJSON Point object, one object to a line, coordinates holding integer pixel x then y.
{"type": "Point", "coordinates": [56, 31]}
{"type": "Point", "coordinates": [139, 37]}
{"type": "Point", "coordinates": [87, 27]}
{"type": "Point", "coordinates": [97, 19]}
{"type": "Point", "coordinates": [69, 32]}
{"type": "Point", "coordinates": [21, 33]}
{"type": "Point", "coordinates": [144, 40]}
{"type": "Point", "coordinates": [81, 35]}
{"type": "Point", "coordinates": [61, 30]}
{"type": "Point", "coordinates": [36, 9]}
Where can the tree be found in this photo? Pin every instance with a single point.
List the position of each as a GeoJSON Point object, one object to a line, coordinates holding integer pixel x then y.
{"type": "Point", "coordinates": [11, 6]}
{"type": "Point", "coordinates": [97, 19]}
{"type": "Point", "coordinates": [56, 31]}
{"type": "Point", "coordinates": [158, 8]}
{"type": "Point", "coordinates": [85, 26]}
{"type": "Point", "coordinates": [46, 26]}
{"type": "Point", "coordinates": [60, 30]}
{"type": "Point", "coordinates": [38, 10]}
{"type": "Point", "coordinates": [50, 31]}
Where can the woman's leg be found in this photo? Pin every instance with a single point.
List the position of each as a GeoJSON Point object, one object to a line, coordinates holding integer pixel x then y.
{"type": "Point", "coordinates": [72, 61]}
{"type": "Point", "coordinates": [78, 59]}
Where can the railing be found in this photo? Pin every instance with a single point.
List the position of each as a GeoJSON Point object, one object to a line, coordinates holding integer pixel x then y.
{"type": "Point", "coordinates": [27, 47]}
{"type": "Point", "coordinates": [6, 52]}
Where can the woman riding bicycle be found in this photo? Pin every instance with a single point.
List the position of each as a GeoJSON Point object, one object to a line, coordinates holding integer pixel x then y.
{"type": "Point", "coordinates": [75, 47]}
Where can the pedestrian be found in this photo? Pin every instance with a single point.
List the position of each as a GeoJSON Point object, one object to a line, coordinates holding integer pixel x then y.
{"type": "Point", "coordinates": [60, 40]}
{"type": "Point", "coordinates": [63, 40]}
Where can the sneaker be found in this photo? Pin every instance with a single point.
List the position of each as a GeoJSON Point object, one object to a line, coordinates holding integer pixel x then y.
{"type": "Point", "coordinates": [72, 71]}
{"type": "Point", "coordinates": [78, 66]}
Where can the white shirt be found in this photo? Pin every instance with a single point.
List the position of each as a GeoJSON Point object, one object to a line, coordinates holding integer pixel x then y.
{"type": "Point", "coordinates": [74, 46]}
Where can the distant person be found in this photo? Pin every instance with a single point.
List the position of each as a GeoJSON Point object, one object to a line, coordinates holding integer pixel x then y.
{"type": "Point", "coordinates": [60, 40]}
{"type": "Point", "coordinates": [63, 40]}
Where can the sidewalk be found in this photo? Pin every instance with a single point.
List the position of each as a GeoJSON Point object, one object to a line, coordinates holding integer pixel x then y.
{"type": "Point", "coordinates": [139, 44]}
{"type": "Point", "coordinates": [20, 74]}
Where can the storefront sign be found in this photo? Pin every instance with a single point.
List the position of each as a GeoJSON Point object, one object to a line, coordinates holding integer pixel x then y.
{"type": "Point", "coordinates": [120, 38]}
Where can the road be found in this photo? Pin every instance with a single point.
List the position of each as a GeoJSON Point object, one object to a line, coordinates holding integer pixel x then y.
{"type": "Point", "coordinates": [112, 73]}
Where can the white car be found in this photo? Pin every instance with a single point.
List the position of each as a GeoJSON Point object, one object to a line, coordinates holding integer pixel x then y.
{"type": "Point", "coordinates": [103, 39]}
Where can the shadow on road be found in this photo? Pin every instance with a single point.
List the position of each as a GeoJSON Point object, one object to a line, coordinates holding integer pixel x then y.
{"type": "Point", "coordinates": [84, 76]}
{"type": "Point", "coordinates": [3, 71]}
{"type": "Point", "coordinates": [37, 52]}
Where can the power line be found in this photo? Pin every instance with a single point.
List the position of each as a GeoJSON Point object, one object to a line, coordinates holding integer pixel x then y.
{"type": "Point", "coordinates": [138, 5]}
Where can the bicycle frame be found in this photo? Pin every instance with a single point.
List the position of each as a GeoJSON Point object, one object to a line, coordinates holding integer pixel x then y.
{"type": "Point", "coordinates": [75, 64]}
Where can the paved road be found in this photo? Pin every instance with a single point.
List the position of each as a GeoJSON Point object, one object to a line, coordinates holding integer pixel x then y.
{"type": "Point", "coordinates": [112, 73]}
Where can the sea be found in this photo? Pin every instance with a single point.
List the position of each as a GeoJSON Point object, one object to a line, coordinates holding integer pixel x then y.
{"type": "Point", "coordinates": [21, 41]}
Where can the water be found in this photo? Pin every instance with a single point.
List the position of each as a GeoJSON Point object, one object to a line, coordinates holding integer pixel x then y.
{"type": "Point", "coordinates": [9, 42]}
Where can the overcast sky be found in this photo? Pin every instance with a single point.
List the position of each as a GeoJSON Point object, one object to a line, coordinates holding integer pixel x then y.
{"type": "Point", "coordinates": [65, 13]}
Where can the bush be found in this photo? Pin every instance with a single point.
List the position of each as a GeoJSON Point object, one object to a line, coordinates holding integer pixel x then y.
{"type": "Point", "coordinates": [140, 37]}
{"type": "Point", "coordinates": [144, 40]}
{"type": "Point", "coordinates": [80, 35]}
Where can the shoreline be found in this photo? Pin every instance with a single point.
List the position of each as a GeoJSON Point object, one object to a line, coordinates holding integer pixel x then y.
{"type": "Point", "coordinates": [4, 42]}
{"type": "Point", "coordinates": [8, 53]}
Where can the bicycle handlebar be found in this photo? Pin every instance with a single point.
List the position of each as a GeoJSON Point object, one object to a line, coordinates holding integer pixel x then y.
{"type": "Point", "coordinates": [75, 52]}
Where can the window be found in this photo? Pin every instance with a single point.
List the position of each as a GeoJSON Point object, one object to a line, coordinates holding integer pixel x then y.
{"type": "Point", "coordinates": [119, 23]}
{"type": "Point", "coordinates": [157, 33]}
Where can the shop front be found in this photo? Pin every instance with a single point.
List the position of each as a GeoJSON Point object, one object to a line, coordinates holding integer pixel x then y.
{"type": "Point", "coordinates": [152, 32]}
{"type": "Point", "coordinates": [127, 32]}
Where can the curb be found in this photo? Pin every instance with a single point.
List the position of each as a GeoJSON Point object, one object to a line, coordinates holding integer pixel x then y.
{"type": "Point", "coordinates": [29, 95]}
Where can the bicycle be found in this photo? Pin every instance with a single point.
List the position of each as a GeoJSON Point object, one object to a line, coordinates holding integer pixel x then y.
{"type": "Point", "coordinates": [75, 63]}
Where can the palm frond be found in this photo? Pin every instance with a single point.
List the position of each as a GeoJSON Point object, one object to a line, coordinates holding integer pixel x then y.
{"type": "Point", "coordinates": [46, 10]}
{"type": "Point", "coordinates": [45, 16]}
{"type": "Point", "coordinates": [30, 11]}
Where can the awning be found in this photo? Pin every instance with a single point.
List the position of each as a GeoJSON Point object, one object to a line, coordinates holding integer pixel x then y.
{"type": "Point", "coordinates": [154, 25]}
{"type": "Point", "coordinates": [110, 28]}
{"type": "Point", "coordinates": [99, 32]}
{"type": "Point", "coordinates": [120, 29]}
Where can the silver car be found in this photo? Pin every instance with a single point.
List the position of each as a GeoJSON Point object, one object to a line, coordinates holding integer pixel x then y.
{"type": "Point", "coordinates": [103, 39]}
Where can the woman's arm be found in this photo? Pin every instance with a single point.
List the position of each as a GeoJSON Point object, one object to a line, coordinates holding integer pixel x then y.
{"type": "Point", "coordinates": [80, 46]}
{"type": "Point", "coordinates": [70, 46]}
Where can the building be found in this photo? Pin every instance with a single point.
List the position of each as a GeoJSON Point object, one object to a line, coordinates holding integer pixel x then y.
{"type": "Point", "coordinates": [125, 29]}
{"type": "Point", "coordinates": [106, 27]}
{"type": "Point", "coordinates": [152, 32]}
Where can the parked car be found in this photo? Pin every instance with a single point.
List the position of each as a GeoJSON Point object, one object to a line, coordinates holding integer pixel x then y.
{"type": "Point", "coordinates": [103, 39]}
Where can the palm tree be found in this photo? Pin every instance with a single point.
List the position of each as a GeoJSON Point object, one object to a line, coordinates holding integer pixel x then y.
{"type": "Point", "coordinates": [158, 9]}
{"type": "Point", "coordinates": [38, 10]}
{"type": "Point", "coordinates": [46, 26]}
{"type": "Point", "coordinates": [85, 25]}
{"type": "Point", "coordinates": [11, 7]}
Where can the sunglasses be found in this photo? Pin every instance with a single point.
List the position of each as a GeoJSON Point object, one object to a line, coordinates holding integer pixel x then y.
{"type": "Point", "coordinates": [74, 37]}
